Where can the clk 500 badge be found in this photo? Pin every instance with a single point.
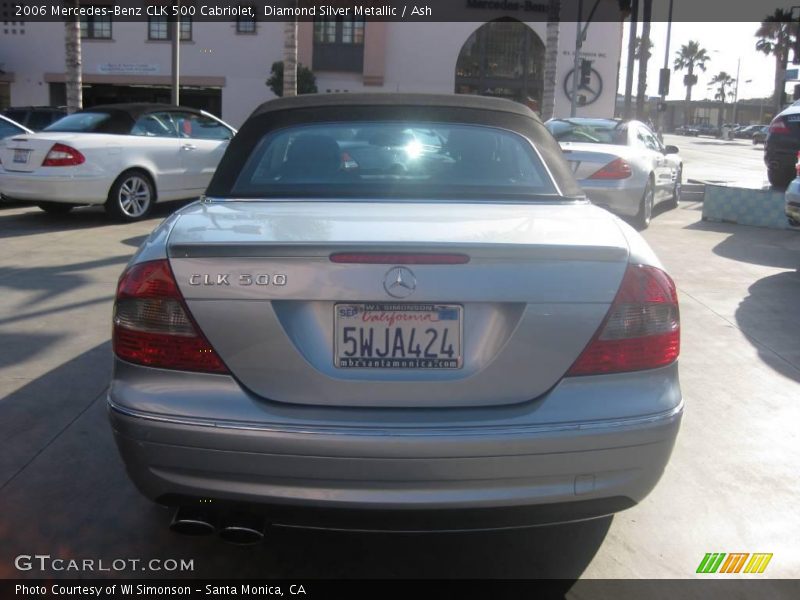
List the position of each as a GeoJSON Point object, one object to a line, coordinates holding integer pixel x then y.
{"type": "Point", "coordinates": [244, 279]}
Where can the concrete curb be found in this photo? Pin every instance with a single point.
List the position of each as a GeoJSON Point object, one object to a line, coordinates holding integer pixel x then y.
{"type": "Point", "coordinates": [745, 206]}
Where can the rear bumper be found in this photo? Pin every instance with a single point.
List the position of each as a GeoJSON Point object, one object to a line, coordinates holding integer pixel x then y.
{"type": "Point", "coordinates": [792, 200]}
{"type": "Point", "coordinates": [620, 197]}
{"type": "Point", "coordinates": [780, 152]}
{"type": "Point", "coordinates": [793, 210]}
{"type": "Point", "coordinates": [41, 186]}
{"type": "Point", "coordinates": [353, 475]}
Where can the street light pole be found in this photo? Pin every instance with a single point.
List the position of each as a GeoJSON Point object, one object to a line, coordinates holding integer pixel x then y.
{"type": "Point", "coordinates": [663, 113]}
{"type": "Point", "coordinates": [176, 58]}
{"type": "Point", "coordinates": [576, 63]}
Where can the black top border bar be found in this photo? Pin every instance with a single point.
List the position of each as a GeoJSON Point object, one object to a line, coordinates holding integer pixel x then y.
{"type": "Point", "coordinates": [711, 11]}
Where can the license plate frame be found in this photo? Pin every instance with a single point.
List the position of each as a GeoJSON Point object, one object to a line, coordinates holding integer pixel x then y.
{"type": "Point", "coordinates": [380, 313]}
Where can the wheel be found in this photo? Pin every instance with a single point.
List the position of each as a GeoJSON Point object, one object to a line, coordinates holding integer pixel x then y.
{"type": "Point", "coordinates": [793, 222]}
{"type": "Point", "coordinates": [780, 177]}
{"type": "Point", "coordinates": [55, 208]}
{"type": "Point", "coordinates": [132, 196]}
{"type": "Point", "coordinates": [676, 190]}
{"type": "Point", "coordinates": [642, 219]}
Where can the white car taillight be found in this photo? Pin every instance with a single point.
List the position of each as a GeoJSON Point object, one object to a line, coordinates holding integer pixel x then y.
{"type": "Point", "coordinates": [61, 155]}
{"type": "Point", "coordinates": [152, 325]}
{"type": "Point", "coordinates": [616, 169]}
{"type": "Point", "coordinates": [641, 329]}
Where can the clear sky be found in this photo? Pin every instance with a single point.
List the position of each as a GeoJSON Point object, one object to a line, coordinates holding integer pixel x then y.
{"type": "Point", "coordinates": [725, 44]}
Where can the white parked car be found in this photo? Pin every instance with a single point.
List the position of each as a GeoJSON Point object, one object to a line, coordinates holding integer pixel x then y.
{"type": "Point", "coordinates": [125, 156]}
{"type": "Point", "coordinates": [10, 128]}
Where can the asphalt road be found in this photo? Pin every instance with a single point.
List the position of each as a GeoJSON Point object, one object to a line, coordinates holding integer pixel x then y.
{"type": "Point", "coordinates": [714, 160]}
{"type": "Point", "coordinates": [732, 484]}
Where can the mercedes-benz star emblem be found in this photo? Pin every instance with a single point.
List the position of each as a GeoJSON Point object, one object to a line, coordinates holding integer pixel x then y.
{"type": "Point", "coordinates": [399, 282]}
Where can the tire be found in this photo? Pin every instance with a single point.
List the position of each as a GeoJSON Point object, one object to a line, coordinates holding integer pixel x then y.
{"type": "Point", "coordinates": [55, 208]}
{"type": "Point", "coordinates": [132, 196]}
{"type": "Point", "coordinates": [676, 190]}
{"type": "Point", "coordinates": [793, 222]}
{"type": "Point", "coordinates": [642, 219]}
{"type": "Point", "coordinates": [780, 177]}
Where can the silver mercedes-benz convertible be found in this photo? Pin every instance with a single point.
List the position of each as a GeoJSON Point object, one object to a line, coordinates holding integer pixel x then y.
{"type": "Point", "coordinates": [394, 312]}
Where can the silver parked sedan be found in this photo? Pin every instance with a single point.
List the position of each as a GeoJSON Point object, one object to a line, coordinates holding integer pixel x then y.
{"type": "Point", "coordinates": [622, 165]}
{"type": "Point", "coordinates": [466, 344]}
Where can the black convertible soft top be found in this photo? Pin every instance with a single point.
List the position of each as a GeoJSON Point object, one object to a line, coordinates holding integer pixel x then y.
{"type": "Point", "coordinates": [394, 100]}
{"type": "Point", "coordinates": [433, 108]}
{"type": "Point", "coordinates": [123, 116]}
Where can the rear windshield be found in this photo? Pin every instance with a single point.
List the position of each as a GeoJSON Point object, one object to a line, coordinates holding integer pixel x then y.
{"type": "Point", "coordinates": [392, 159]}
{"type": "Point", "coordinates": [91, 122]}
{"type": "Point", "coordinates": [592, 131]}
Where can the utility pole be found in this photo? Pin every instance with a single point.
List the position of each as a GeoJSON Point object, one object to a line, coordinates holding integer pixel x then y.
{"type": "Point", "coordinates": [576, 63]}
{"type": "Point", "coordinates": [176, 57]}
{"type": "Point", "coordinates": [580, 35]}
{"type": "Point", "coordinates": [736, 90]}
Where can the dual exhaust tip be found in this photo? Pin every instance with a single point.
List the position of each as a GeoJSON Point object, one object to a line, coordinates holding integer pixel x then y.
{"type": "Point", "coordinates": [234, 527]}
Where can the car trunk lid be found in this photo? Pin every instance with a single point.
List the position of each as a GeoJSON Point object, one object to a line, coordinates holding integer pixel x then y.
{"type": "Point", "coordinates": [586, 159]}
{"type": "Point", "coordinates": [259, 280]}
{"type": "Point", "coordinates": [27, 152]}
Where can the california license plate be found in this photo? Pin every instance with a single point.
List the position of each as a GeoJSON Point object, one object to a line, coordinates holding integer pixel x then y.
{"type": "Point", "coordinates": [398, 336]}
{"type": "Point", "coordinates": [21, 156]}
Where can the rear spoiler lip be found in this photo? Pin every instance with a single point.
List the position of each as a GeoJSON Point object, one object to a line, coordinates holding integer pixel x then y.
{"type": "Point", "coordinates": [493, 251]}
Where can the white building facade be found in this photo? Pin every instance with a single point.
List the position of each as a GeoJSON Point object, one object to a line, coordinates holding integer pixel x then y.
{"type": "Point", "coordinates": [224, 65]}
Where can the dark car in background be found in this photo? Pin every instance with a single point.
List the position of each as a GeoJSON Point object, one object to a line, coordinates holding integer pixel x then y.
{"type": "Point", "coordinates": [781, 146]}
{"type": "Point", "coordinates": [746, 132]}
{"type": "Point", "coordinates": [687, 130]}
{"type": "Point", "coordinates": [760, 135]}
{"type": "Point", "coordinates": [706, 129]}
{"type": "Point", "coordinates": [35, 118]}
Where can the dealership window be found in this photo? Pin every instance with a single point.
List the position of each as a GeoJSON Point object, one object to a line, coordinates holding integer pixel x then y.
{"type": "Point", "coordinates": [339, 44]}
{"type": "Point", "coordinates": [160, 28]}
{"type": "Point", "coordinates": [245, 25]}
{"type": "Point", "coordinates": [96, 27]}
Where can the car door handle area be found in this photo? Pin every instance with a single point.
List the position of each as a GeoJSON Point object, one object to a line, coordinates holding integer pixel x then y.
{"type": "Point", "coordinates": [189, 147]}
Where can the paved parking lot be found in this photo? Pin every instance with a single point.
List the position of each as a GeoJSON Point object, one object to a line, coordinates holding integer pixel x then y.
{"type": "Point", "coordinates": [731, 486]}
{"type": "Point", "coordinates": [729, 161]}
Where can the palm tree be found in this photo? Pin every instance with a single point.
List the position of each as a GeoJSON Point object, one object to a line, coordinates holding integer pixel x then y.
{"type": "Point", "coordinates": [690, 57]}
{"type": "Point", "coordinates": [644, 42]}
{"type": "Point", "coordinates": [638, 52]}
{"type": "Point", "coordinates": [775, 37]}
{"type": "Point", "coordinates": [72, 56]}
{"type": "Point", "coordinates": [724, 82]}
{"type": "Point", "coordinates": [634, 16]}
{"type": "Point", "coordinates": [551, 59]}
{"type": "Point", "coordinates": [290, 56]}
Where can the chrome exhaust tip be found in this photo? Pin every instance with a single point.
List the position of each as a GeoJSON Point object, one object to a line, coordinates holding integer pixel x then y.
{"type": "Point", "coordinates": [242, 529]}
{"type": "Point", "coordinates": [189, 521]}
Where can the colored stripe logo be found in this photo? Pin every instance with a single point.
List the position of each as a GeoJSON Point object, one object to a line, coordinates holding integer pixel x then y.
{"type": "Point", "coordinates": [720, 562]}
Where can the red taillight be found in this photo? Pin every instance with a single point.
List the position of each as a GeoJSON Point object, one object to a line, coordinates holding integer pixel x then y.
{"type": "Point", "coordinates": [778, 125]}
{"type": "Point", "coordinates": [616, 169]}
{"type": "Point", "coordinates": [152, 325]}
{"type": "Point", "coordinates": [381, 258]}
{"type": "Point", "coordinates": [347, 162]}
{"type": "Point", "coordinates": [61, 155]}
{"type": "Point", "coordinates": [641, 329]}
{"type": "Point", "coordinates": [797, 165]}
